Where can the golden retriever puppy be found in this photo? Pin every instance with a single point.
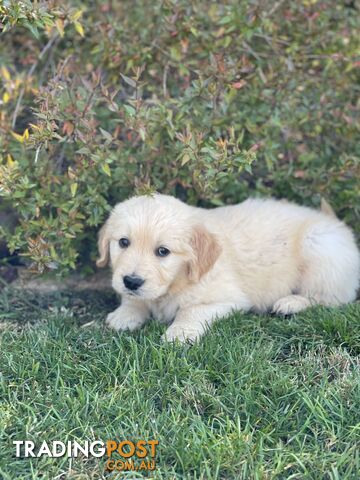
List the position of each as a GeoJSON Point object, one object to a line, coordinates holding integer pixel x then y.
{"type": "Point", "coordinates": [188, 266]}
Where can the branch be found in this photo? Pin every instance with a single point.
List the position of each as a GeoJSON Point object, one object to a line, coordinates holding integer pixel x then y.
{"type": "Point", "coordinates": [49, 44]}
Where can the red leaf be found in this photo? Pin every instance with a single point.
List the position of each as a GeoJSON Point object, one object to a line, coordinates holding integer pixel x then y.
{"type": "Point", "coordinates": [238, 84]}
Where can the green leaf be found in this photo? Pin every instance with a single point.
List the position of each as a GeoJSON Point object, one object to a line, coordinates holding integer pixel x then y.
{"type": "Point", "coordinates": [106, 134]}
{"type": "Point", "coordinates": [73, 189]}
{"type": "Point", "coordinates": [33, 29]}
{"type": "Point", "coordinates": [128, 80]}
{"type": "Point", "coordinates": [185, 159]}
{"type": "Point", "coordinates": [130, 110]}
{"type": "Point", "coordinates": [106, 169]}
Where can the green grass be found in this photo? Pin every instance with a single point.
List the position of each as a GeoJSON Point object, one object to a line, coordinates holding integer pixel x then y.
{"type": "Point", "coordinates": [259, 398]}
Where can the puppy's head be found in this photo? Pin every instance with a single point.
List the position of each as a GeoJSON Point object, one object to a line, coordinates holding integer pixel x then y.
{"type": "Point", "coordinates": [155, 247]}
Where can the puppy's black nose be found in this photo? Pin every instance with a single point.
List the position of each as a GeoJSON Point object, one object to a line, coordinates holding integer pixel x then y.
{"type": "Point", "coordinates": [132, 282]}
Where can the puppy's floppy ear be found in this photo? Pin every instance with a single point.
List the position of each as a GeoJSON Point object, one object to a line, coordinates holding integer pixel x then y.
{"type": "Point", "coordinates": [103, 245]}
{"type": "Point", "coordinates": [206, 251]}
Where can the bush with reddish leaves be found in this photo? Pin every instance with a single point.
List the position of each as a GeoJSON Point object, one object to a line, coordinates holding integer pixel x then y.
{"type": "Point", "coordinates": [208, 101]}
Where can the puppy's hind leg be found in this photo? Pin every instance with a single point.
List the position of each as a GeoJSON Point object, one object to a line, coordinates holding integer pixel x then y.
{"type": "Point", "coordinates": [330, 269]}
{"type": "Point", "coordinates": [331, 265]}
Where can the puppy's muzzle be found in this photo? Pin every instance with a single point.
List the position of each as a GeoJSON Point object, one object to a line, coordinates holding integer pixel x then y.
{"type": "Point", "coordinates": [132, 282]}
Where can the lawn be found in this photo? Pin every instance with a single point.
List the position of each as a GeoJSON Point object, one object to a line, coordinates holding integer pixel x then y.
{"type": "Point", "coordinates": [260, 397]}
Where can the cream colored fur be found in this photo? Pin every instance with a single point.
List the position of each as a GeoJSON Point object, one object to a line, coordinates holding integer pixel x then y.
{"type": "Point", "coordinates": [259, 255]}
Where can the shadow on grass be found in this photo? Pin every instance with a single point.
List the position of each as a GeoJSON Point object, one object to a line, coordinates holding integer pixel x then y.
{"type": "Point", "coordinates": [318, 325]}
{"type": "Point", "coordinates": [29, 306]}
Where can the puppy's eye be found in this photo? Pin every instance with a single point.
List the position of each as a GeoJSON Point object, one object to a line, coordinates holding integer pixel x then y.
{"type": "Point", "coordinates": [124, 242]}
{"type": "Point", "coordinates": [162, 252]}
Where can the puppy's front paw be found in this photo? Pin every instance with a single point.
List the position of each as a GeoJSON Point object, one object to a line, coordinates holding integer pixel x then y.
{"type": "Point", "coordinates": [181, 333]}
{"type": "Point", "coordinates": [124, 319]}
{"type": "Point", "coordinates": [291, 304]}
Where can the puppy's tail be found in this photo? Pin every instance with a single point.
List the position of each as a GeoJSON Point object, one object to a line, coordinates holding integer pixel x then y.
{"type": "Point", "coordinates": [326, 208]}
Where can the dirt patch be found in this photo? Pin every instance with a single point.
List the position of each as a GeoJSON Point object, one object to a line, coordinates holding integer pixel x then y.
{"type": "Point", "coordinates": [76, 282]}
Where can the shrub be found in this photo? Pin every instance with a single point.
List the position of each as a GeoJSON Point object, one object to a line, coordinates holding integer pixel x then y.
{"type": "Point", "coordinates": [208, 101]}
